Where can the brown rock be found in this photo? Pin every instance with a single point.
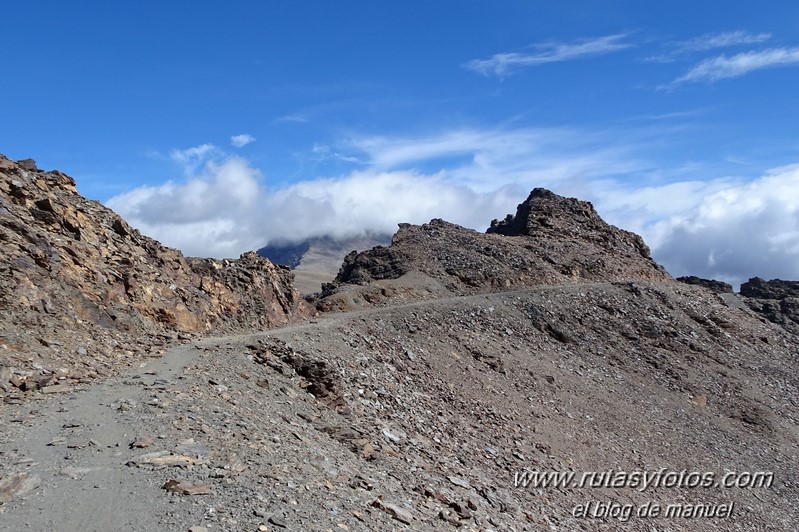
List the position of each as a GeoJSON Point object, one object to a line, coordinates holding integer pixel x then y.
{"type": "Point", "coordinates": [397, 512]}
{"type": "Point", "coordinates": [5, 377]}
{"type": "Point", "coordinates": [186, 487]}
{"type": "Point", "coordinates": [17, 484]}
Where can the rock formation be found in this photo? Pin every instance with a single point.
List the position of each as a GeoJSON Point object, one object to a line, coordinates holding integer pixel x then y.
{"type": "Point", "coordinates": [551, 240]}
{"type": "Point", "coordinates": [77, 281]}
{"type": "Point", "coordinates": [720, 287]}
{"type": "Point", "coordinates": [776, 300]}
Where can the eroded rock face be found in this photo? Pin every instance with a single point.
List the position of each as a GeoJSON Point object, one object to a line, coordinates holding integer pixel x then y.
{"type": "Point", "coordinates": [720, 287]}
{"type": "Point", "coordinates": [76, 278]}
{"type": "Point", "coordinates": [551, 240]}
{"type": "Point", "coordinates": [776, 300]}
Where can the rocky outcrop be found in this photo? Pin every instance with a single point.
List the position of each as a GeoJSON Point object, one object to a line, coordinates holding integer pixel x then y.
{"type": "Point", "coordinates": [776, 300]}
{"type": "Point", "coordinates": [549, 217]}
{"type": "Point", "coordinates": [551, 240]}
{"type": "Point", "coordinates": [720, 287]}
{"type": "Point", "coordinates": [77, 280]}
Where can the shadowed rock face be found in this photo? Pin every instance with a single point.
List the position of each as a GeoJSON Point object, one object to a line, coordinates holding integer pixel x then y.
{"type": "Point", "coordinates": [720, 287]}
{"type": "Point", "coordinates": [776, 300]}
{"type": "Point", "coordinates": [551, 240]}
{"type": "Point", "coordinates": [74, 270]}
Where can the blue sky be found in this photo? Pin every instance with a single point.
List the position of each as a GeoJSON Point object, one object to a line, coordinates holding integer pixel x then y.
{"type": "Point", "coordinates": [218, 127]}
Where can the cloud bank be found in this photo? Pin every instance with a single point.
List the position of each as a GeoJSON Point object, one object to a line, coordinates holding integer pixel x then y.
{"type": "Point", "coordinates": [728, 228]}
{"type": "Point", "coordinates": [737, 231]}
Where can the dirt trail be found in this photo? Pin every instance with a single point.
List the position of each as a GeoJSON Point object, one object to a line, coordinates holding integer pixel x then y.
{"type": "Point", "coordinates": [79, 449]}
{"type": "Point", "coordinates": [444, 399]}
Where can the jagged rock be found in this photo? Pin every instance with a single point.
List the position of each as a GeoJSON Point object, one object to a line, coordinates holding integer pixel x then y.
{"type": "Point", "coordinates": [28, 164]}
{"type": "Point", "coordinates": [546, 214]}
{"type": "Point", "coordinates": [550, 240]}
{"type": "Point", "coordinates": [73, 269]}
{"type": "Point", "coordinates": [774, 289]}
{"type": "Point", "coordinates": [776, 300]}
{"type": "Point", "coordinates": [186, 487]}
{"type": "Point", "coordinates": [719, 287]}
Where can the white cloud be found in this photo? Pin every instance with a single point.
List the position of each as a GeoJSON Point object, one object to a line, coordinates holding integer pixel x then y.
{"type": "Point", "coordinates": [723, 67]}
{"type": "Point", "coordinates": [240, 141]}
{"type": "Point", "coordinates": [485, 159]}
{"type": "Point", "coordinates": [297, 119]}
{"type": "Point", "coordinates": [728, 228]}
{"type": "Point", "coordinates": [471, 176]}
{"type": "Point", "coordinates": [503, 64]}
{"type": "Point", "coordinates": [227, 210]}
{"type": "Point", "coordinates": [193, 158]}
{"type": "Point", "coordinates": [201, 215]}
{"type": "Point", "coordinates": [711, 41]}
{"type": "Point", "coordinates": [734, 230]}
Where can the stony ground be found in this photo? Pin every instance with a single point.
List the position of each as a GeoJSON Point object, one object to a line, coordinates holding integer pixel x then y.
{"type": "Point", "coordinates": [417, 417]}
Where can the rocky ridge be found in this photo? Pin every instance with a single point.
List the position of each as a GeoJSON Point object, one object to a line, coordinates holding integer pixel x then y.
{"type": "Point", "coordinates": [80, 288]}
{"type": "Point", "coordinates": [551, 240]}
{"type": "Point", "coordinates": [720, 287]}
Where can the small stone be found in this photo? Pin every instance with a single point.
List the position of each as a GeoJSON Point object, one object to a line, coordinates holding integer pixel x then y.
{"type": "Point", "coordinates": [142, 443]}
{"type": "Point", "coordinates": [186, 487]}
{"type": "Point", "coordinates": [393, 435]}
{"type": "Point", "coordinates": [397, 512]}
{"type": "Point", "coordinates": [17, 484]}
{"type": "Point", "coordinates": [700, 400]}
{"type": "Point", "coordinates": [277, 521]}
{"type": "Point", "coordinates": [458, 481]}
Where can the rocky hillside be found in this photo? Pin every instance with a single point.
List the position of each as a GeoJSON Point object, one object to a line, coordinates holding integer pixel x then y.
{"type": "Point", "coordinates": [78, 285]}
{"type": "Point", "coordinates": [551, 240]}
